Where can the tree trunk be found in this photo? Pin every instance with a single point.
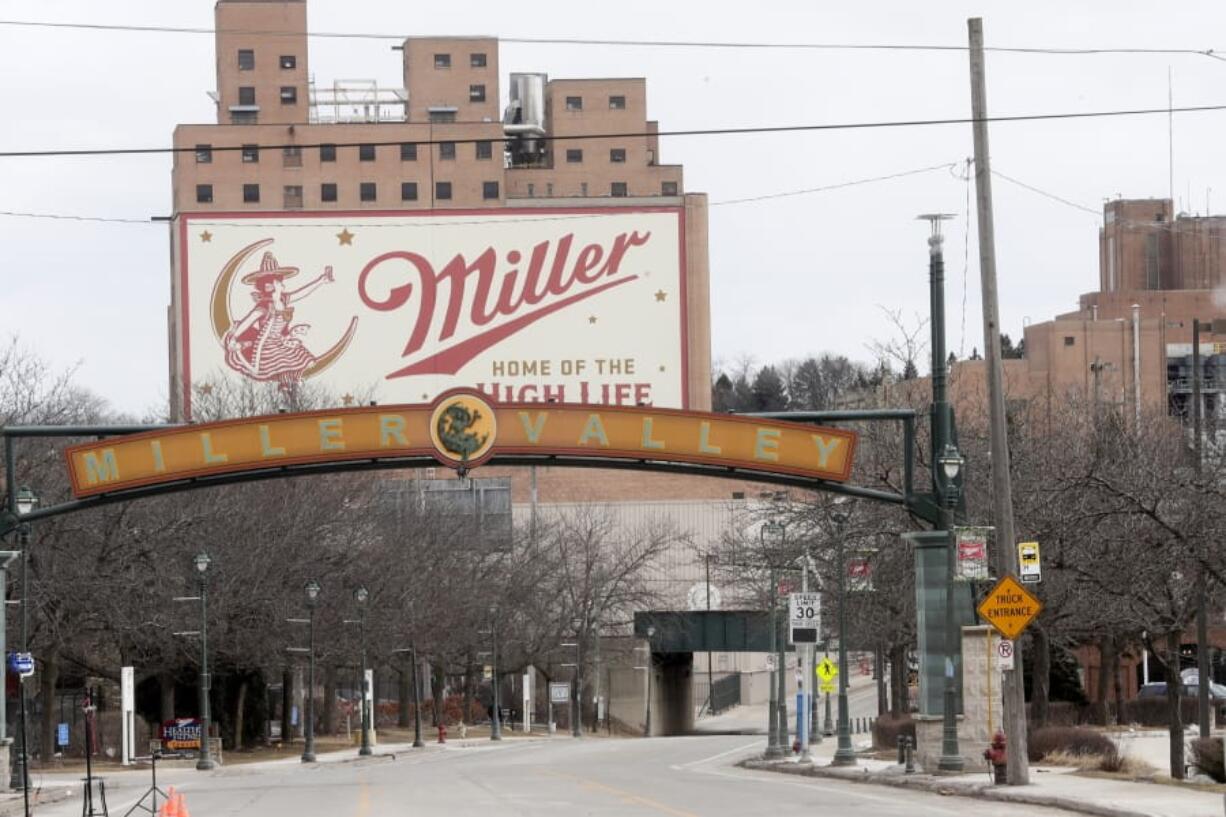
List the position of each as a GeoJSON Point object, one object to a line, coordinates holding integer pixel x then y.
{"type": "Point", "coordinates": [1106, 659]}
{"type": "Point", "coordinates": [50, 674]}
{"type": "Point", "coordinates": [240, 704]}
{"type": "Point", "coordinates": [898, 699]}
{"type": "Point", "coordinates": [287, 703]}
{"type": "Point", "coordinates": [404, 695]}
{"type": "Point", "coordinates": [470, 688]}
{"type": "Point", "coordinates": [166, 686]}
{"type": "Point", "coordinates": [436, 692]}
{"type": "Point", "coordinates": [328, 725]}
{"type": "Point", "coordinates": [1040, 681]}
{"type": "Point", "coordinates": [1173, 688]}
{"type": "Point", "coordinates": [1119, 689]}
{"type": "Point", "coordinates": [879, 662]}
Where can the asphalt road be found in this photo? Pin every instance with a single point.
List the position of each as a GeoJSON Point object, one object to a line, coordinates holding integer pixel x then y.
{"type": "Point", "coordinates": [681, 777]}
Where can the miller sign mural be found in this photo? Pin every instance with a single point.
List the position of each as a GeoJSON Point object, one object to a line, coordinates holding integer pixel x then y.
{"type": "Point", "coordinates": [566, 306]}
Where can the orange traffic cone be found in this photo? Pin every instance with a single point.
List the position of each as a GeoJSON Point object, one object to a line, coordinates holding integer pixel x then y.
{"type": "Point", "coordinates": [182, 812]}
{"type": "Point", "coordinates": [168, 805]}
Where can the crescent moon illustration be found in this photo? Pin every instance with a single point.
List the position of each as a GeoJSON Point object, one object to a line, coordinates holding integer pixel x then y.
{"type": "Point", "coordinates": [220, 302]}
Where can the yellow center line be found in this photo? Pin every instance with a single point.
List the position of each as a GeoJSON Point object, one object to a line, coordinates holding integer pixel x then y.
{"type": "Point", "coordinates": [363, 800]}
{"type": "Point", "coordinates": [622, 794]}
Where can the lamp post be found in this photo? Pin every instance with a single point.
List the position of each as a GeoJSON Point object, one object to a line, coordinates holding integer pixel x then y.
{"type": "Point", "coordinates": [496, 720]}
{"type": "Point", "coordinates": [651, 631]}
{"type": "Point", "coordinates": [950, 464]}
{"type": "Point", "coordinates": [201, 563]}
{"type": "Point", "coordinates": [361, 595]}
{"type": "Point", "coordinates": [25, 501]}
{"type": "Point", "coordinates": [771, 536]}
{"type": "Point", "coordinates": [311, 589]}
{"type": "Point", "coordinates": [576, 698]}
{"type": "Point", "coordinates": [844, 755]}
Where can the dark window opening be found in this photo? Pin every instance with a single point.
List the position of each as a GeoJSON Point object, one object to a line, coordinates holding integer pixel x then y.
{"type": "Point", "coordinates": [476, 93]}
{"type": "Point", "coordinates": [408, 191]}
{"type": "Point", "coordinates": [442, 190]}
{"type": "Point", "coordinates": [668, 188]}
{"type": "Point", "coordinates": [251, 153]}
{"type": "Point", "coordinates": [204, 194]}
{"type": "Point", "coordinates": [367, 191]}
{"type": "Point", "coordinates": [251, 193]}
{"type": "Point", "coordinates": [204, 154]}
{"type": "Point", "coordinates": [408, 152]}
{"type": "Point", "coordinates": [289, 95]}
{"type": "Point", "coordinates": [327, 153]}
{"type": "Point", "coordinates": [574, 103]}
{"type": "Point", "coordinates": [489, 190]}
{"type": "Point", "coordinates": [574, 155]}
{"type": "Point", "coordinates": [617, 103]}
{"type": "Point", "coordinates": [327, 191]}
{"type": "Point", "coordinates": [1069, 340]}
{"type": "Point", "coordinates": [442, 60]}
{"type": "Point", "coordinates": [446, 150]}
{"type": "Point", "coordinates": [288, 62]}
{"type": "Point", "coordinates": [293, 197]}
{"type": "Point", "coordinates": [246, 95]}
{"type": "Point", "coordinates": [618, 189]}
{"type": "Point", "coordinates": [246, 59]}
{"type": "Point", "coordinates": [477, 60]}
{"type": "Point", "coordinates": [617, 155]}
{"type": "Point", "coordinates": [291, 156]}
{"type": "Point", "coordinates": [442, 117]}
{"type": "Point", "coordinates": [485, 150]}
{"type": "Point", "coordinates": [366, 153]}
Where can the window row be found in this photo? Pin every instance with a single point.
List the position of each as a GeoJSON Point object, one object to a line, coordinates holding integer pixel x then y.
{"type": "Point", "coordinates": [616, 155]}
{"type": "Point", "coordinates": [292, 156]}
{"type": "Point", "coordinates": [246, 60]}
{"type": "Point", "coordinates": [476, 59]}
{"type": "Point", "coordinates": [616, 103]}
{"type": "Point", "coordinates": [329, 192]}
{"type": "Point", "coordinates": [289, 95]}
{"type": "Point", "coordinates": [616, 189]}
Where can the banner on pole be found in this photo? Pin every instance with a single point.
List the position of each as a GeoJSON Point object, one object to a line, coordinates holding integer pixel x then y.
{"type": "Point", "coordinates": [972, 553]}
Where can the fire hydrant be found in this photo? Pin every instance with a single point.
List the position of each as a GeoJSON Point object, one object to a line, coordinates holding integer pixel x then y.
{"type": "Point", "coordinates": [442, 733]}
{"type": "Point", "coordinates": [997, 755]}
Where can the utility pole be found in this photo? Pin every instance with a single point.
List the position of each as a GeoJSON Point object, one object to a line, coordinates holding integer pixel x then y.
{"type": "Point", "coordinates": [1202, 606]}
{"type": "Point", "coordinates": [1018, 767]}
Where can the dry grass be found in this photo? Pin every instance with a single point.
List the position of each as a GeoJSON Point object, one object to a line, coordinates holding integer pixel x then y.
{"type": "Point", "coordinates": [1116, 764]}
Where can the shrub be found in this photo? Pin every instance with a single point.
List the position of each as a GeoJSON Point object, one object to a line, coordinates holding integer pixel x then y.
{"type": "Point", "coordinates": [1070, 740]}
{"type": "Point", "coordinates": [887, 730]}
{"type": "Point", "coordinates": [1207, 756]}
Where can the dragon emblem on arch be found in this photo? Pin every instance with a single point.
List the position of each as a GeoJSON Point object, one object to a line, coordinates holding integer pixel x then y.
{"type": "Point", "coordinates": [462, 428]}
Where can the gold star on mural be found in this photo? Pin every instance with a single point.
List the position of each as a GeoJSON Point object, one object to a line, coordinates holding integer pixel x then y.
{"type": "Point", "coordinates": [591, 319]}
{"type": "Point", "coordinates": [207, 388]}
{"type": "Point", "coordinates": [661, 295]}
{"type": "Point", "coordinates": [345, 237]}
{"type": "Point", "coordinates": [347, 399]}
{"type": "Point", "coordinates": [206, 236]}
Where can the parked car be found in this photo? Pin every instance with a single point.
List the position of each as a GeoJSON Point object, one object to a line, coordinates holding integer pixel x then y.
{"type": "Point", "coordinates": [1217, 692]}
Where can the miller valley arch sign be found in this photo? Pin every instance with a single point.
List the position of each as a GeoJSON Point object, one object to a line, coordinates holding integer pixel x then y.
{"type": "Point", "coordinates": [461, 429]}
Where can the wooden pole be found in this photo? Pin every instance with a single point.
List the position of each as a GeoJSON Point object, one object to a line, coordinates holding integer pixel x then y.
{"type": "Point", "coordinates": [1014, 720]}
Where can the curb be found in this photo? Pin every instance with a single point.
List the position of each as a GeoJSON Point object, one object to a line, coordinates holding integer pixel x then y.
{"type": "Point", "coordinates": [942, 786]}
{"type": "Point", "coordinates": [16, 807]}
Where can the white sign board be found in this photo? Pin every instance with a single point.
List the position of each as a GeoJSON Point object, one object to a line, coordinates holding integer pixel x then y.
{"type": "Point", "coordinates": [1029, 565]}
{"type": "Point", "coordinates": [559, 692]}
{"type": "Point", "coordinates": [127, 701]}
{"type": "Point", "coordinates": [804, 617]}
{"type": "Point", "coordinates": [528, 689]}
{"type": "Point", "coordinates": [527, 305]}
{"type": "Point", "coordinates": [772, 662]}
{"type": "Point", "coordinates": [1004, 654]}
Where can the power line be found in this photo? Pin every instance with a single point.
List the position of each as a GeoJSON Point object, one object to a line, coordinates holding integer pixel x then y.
{"type": "Point", "coordinates": [726, 131]}
{"type": "Point", "coordinates": [601, 42]}
{"type": "Point", "coordinates": [201, 218]}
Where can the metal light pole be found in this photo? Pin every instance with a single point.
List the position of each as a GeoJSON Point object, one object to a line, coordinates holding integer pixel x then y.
{"type": "Point", "coordinates": [651, 631]}
{"type": "Point", "coordinates": [311, 588]}
{"type": "Point", "coordinates": [844, 755]}
{"type": "Point", "coordinates": [576, 698]}
{"type": "Point", "coordinates": [771, 536]}
{"type": "Point", "coordinates": [26, 501]}
{"type": "Point", "coordinates": [945, 473]}
{"type": "Point", "coordinates": [496, 721]}
{"type": "Point", "coordinates": [417, 741]}
{"type": "Point", "coordinates": [361, 595]}
{"type": "Point", "coordinates": [205, 762]}
{"type": "Point", "coordinates": [804, 663]}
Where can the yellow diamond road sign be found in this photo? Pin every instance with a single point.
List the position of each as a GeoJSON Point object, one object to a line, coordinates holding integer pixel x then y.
{"type": "Point", "coordinates": [1010, 608]}
{"type": "Point", "coordinates": [827, 670]}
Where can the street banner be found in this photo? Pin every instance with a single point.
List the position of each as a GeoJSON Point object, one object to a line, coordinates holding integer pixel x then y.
{"type": "Point", "coordinates": [972, 553]}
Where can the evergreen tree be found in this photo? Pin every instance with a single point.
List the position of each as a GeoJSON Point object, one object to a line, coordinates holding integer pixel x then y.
{"type": "Point", "coordinates": [769, 392]}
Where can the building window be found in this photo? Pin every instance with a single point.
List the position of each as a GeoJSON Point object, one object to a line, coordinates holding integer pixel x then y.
{"type": "Point", "coordinates": [204, 154]}
{"type": "Point", "coordinates": [251, 153]}
{"type": "Point", "coordinates": [246, 95]}
{"type": "Point", "coordinates": [477, 60]}
{"type": "Point", "coordinates": [204, 194]}
{"type": "Point", "coordinates": [446, 150]}
{"type": "Point", "coordinates": [1069, 340]}
{"type": "Point", "coordinates": [485, 150]}
{"type": "Point", "coordinates": [442, 117]}
{"type": "Point", "coordinates": [668, 188]}
{"type": "Point", "coordinates": [442, 60]}
{"type": "Point", "coordinates": [251, 193]}
{"type": "Point", "coordinates": [408, 191]}
{"type": "Point", "coordinates": [442, 190]}
{"type": "Point", "coordinates": [408, 152]}
{"type": "Point", "coordinates": [327, 153]}
{"type": "Point", "coordinates": [476, 93]}
{"type": "Point", "coordinates": [288, 62]}
{"type": "Point", "coordinates": [246, 59]}
{"type": "Point", "coordinates": [489, 190]}
{"type": "Point", "coordinates": [618, 189]}
{"type": "Point", "coordinates": [574, 155]}
{"type": "Point", "coordinates": [293, 197]}
{"type": "Point", "coordinates": [574, 103]}
{"type": "Point", "coordinates": [367, 191]}
{"type": "Point", "coordinates": [617, 103]}
{"type": "Point", "coordinates": [244, 117]}
{"type": "Point", "coordinates": [617, 155]}
{"type": "Point", "coordinates": [531, 189]}
{"type": "Point", "coordinates": [291, 156]}
{"type": "Point", "coordinates": [366, 153]}
{"type": "Point", "coordinates": [289, 95]}
{"type": "Point", "coordinates": [327, 191]}
{"type": "Point", "coordinates": [548, 188]}
{"type": "Point", "coordinates": [582, 188]}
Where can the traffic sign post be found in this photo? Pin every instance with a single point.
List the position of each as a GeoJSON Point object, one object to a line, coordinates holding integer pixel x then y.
{"type": "Point", "coordinates": [1010, 608]}
{"type": "Point", "coordinates": [22, 663]}
{"type": "Point", "coordinates": [1004, 654]}
{"type": "Point", "coordinates": [559, 692]}
{"type": "Point", "coordinates": [804, 617]}
{"type": "Point", "coordinates": [827, 671]}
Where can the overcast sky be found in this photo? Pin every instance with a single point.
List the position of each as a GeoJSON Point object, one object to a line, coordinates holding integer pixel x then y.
{"type": "Point", "coordinates": [790, 276]}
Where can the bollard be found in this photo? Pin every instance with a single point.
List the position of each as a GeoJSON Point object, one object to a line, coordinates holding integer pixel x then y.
{"type": "Point", "coordinates": [910, 768]}
{"type": "Point", "coordinates": [902, 749]}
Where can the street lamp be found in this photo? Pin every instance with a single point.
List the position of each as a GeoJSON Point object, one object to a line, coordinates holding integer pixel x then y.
{"type": "Point", "coordinates": [844, 755]}
{"type": "Point", "coordinates": [311, 589]}
{"type": "Point", "coordinates": [950, 462]}
{"type": "Point", "coordinates": [25, 500]}
{"type": "Point", "coordinates": [651, 631]}
{"type": "Point", "coordinates": [361, 595]}
{"type": "Point", "coordinates": [576, 703]}
{"type": "Point", "coordinates": [496, 720]}
{"type": "Point", "coordinates": [771, 536]}
{"type": "Point", "coordinates": [201, 563]}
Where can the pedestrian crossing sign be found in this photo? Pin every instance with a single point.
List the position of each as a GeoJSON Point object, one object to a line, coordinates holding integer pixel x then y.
{"type": "Point", "coordinates": [827, 670]}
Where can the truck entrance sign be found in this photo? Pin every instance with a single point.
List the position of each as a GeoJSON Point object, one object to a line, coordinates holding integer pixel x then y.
{"type": "Point", "coordinates": [1010, 608]}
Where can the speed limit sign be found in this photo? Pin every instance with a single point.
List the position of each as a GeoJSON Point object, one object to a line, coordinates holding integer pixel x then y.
{"type": "Point", "coordinates": [804, 617]}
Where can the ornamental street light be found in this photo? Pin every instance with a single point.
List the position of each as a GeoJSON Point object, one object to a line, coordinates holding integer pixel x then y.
{"type": "Point", "coordinates": [496, 719]}
{"type": "Point", "coordinates": [951, 462]}
{"type": "Point", "coordinates": [25, 501]}
{"type": "Point", "coordinates": [361, 595]}
{"type": "Point", "coordinates": [771, 536]}
{"type": "Point", "coordinates": [651, 631]}
{"type": "Point", "coordinates": [576, 698]}
{"type": "Point", "coordinates": [411, 651]}
{"type": "Point", "coordinates": [844, 755]}
{"type": "Point", "coordinates": [201, 563]}
{"type": "Point", "coordinates": [311, 590]}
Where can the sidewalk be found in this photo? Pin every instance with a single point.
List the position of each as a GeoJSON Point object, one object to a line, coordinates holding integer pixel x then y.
{"type": "Point", "coordinates": [1056, 787]}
